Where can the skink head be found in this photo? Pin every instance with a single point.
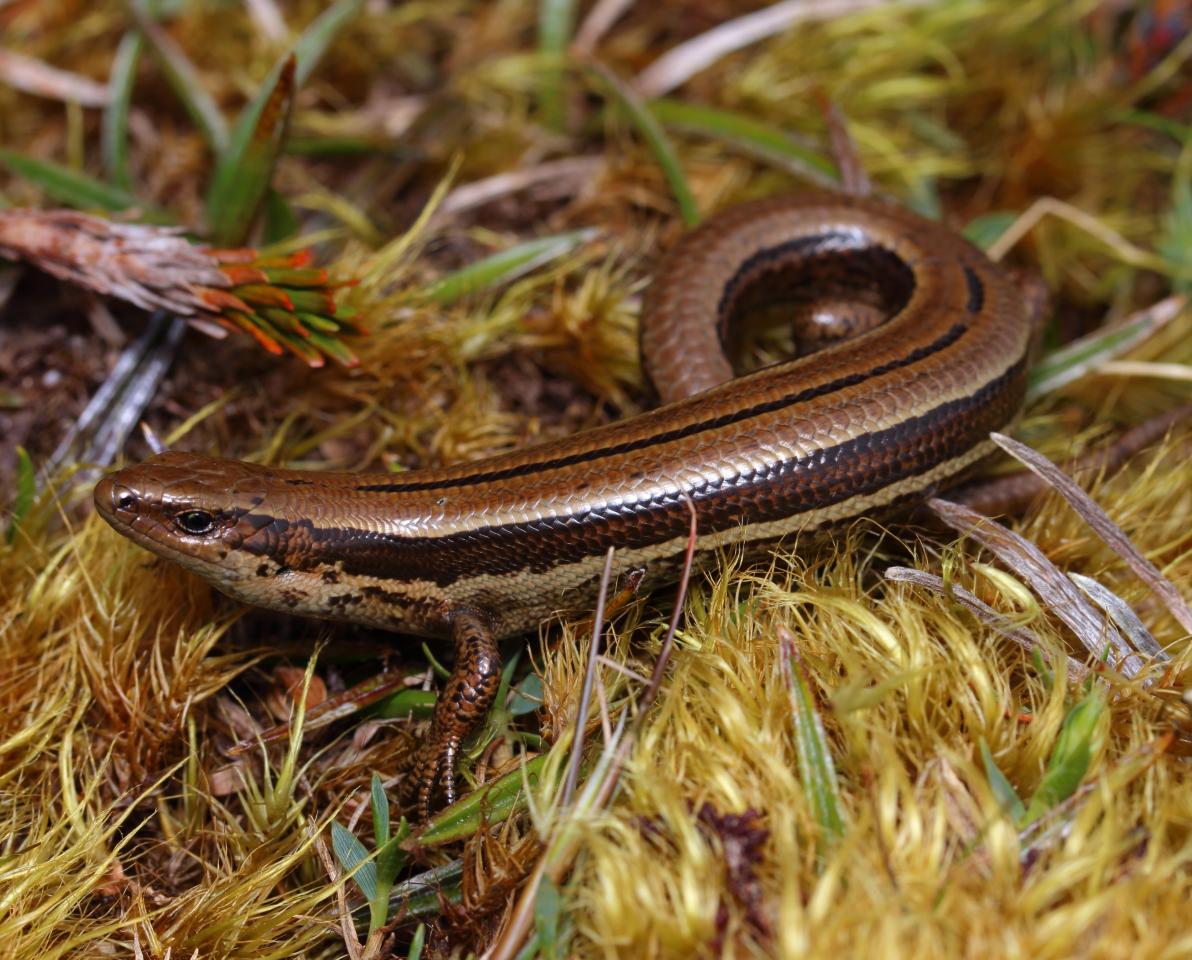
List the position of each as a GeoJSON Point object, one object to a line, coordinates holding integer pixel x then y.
{"type": "Point", "coordinates": [197, 511]}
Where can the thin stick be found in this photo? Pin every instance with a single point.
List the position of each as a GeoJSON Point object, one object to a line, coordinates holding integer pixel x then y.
{"type": "Point", "coordinates": [585, 698]}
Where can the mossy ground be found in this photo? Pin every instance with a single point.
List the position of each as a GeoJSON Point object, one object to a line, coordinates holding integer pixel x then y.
{"type": "Point", "coordinates": [124, 824]}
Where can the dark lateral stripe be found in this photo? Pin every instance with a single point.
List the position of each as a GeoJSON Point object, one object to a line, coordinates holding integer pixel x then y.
{"type": "Point", "coordinates": [795, 249]}
{"type": "Point", "coordinates": [976, 290]}
{"type": "Point", "coordinates": [667, 436]}
{"type": "Point", "coordinates": [859, 466]}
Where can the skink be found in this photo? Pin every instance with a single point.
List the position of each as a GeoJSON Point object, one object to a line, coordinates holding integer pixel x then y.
{"type": "Point", "coordinates": [485, 550]}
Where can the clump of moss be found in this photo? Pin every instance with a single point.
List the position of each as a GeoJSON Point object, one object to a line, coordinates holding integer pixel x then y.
{"type": "Point", "coordinates": [834, 759]}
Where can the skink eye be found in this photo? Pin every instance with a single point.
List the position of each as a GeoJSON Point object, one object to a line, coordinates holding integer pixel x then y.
{"type": "Point", "coordinates": [126, 502]}
{"type": "Point", "coordinates": [196, 522]}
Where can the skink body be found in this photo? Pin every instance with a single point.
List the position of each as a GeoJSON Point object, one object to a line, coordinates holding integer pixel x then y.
{"type": "Point", "coordinates": [489, 549]}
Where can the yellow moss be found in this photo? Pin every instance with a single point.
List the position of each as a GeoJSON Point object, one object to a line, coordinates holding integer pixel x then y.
{"type": "Point", "coordinates": [117, 700]}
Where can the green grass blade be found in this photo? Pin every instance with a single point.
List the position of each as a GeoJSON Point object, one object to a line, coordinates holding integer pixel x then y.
{"type": "Point", "coordinates": [184, 79]}
{"type": "Point", "coordinates": [75, 189]}
{"type": "Point", "coordinates": [417, 703]}
{"type": "Point", "coordinates": [548, 906]}
{"type": "Point", "coordinates": [1073, 361]}
{"type": "Point", "coordinates": [281, 222]}
{"type": "Point", "coordinates": [417, 943]}
{"type": "Point", "coordinates": [245, 169]}
{"type": "Point", "coordinates": [750, 135]}
{"type": "Point", "coordinates": [556, 23]}
{"type": "Point", "coordinates": [320, 34]}
{"type": "Point", "coordinates": [1070, 758]}
{"type": "Point", "coordinates": [493, 804]}
{"type": "Point", "coordinates": [1177, 229]}
{"type": "Point", "coordinates": [114, 134]}
{"type": "Point", "coordinates": [1007, 797]}
{"type": "Point", "coordinates": [817, 772]}
{"type": "Point", "coordinates": [505, 265]}
{"type": "Point", "coordinates": [352, 856]}
{"type": "Point", "coordinates": [380, 811]}
{"type": "Point", "coordinates": [388, 861]}
{"type": "Point", "coordinates": [26, 490]}
{"type": "Point", "coordinates": [656, 138]}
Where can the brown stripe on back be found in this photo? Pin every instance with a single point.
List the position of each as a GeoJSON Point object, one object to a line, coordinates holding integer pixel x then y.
{"type": "Point", "coordinates": [946, 340]}
{"type": "Point", "coordinates": [862, 465]}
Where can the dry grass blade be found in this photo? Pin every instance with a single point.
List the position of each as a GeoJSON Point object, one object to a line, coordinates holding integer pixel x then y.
{"type": "Point", "coordinates": [1050, 207]}
{"type": "Point", "coordinates": [1015, 491]}
{"type": "Point", "coordinates": [585, 700]}
{"type": "Point", "coordinates": [597, 23]}
{"type": "Point", "coordinates": [678, 65]}
{"type": "Point", "coordinates": [267, 18]}
{"type": "Point", "coordinates": [981, 610]}
{"type": "Point", "coordinates": [37, 77]}
{"type": "Point", "coordinates": [1122, 614]}
{"type": "Point", "coordinates": [853, 178]}
{"type": "Point", "coordinates": [558, 177]}
{"type": "Point", "coordinates": [1104, 527]}
{"type": "Point", "coordinates": [1144, 368]}
{"type": "Point", "coordinates": [1045, 579]}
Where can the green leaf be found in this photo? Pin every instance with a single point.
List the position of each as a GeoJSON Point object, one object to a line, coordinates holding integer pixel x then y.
{"type": "Point", "coordinates": [244, 171]}
{"type": "Point", "coordinates": [417, 943]}
{"type": "Point", "coordinates": [984, 231]}
{"type": "Point", "coordinates": [1074, 360]}
{"type": "Point", "coordinates": [1007, 797]}
{"type": "Point", "coordinates": [506, 265]}
{"type": "Point", "coordinates": [320, 34]}
{"type": "Point", "coordinates": [655, 138]}
{"type": "Point", "coordinates": [493, 804]}
{"type": "Point", "coordinates": [26, 490]}
{"type": "Point", "coordinates": [750, 135]}
{"type": "Point", "coordinates": [353, 857]}
{"type": "Point", "coordinates": [184, 79]}
{"type": "Point", "coordinates": [75, 189]}
{"type": "Point", "coordinates": [380, 811]}
{"type": "Point", "coordinates": [548, 906]}
{"type": "Point", "coordinates": [281, 222]}
{"type": "Point", "coordinates": [817, 772]}
{"type": "Point", "coordinates": [388, 861]}
{"type": "Point", "coordinates": [1179, 132]}
{"type": "Point", "coordinates": [1070, 757]}
{"type": "Point", "coordinates": [333, 347]}
{"type": "Point", "coordinates": [1175, 243]}
{"type": "Point", "coordinates": [556, 22]}
{"type": "Point", "coordinates": [417, 703]}
{"type": "Point", "coordinates": [115, 117]}
{"type": "Point", "coordinates": [527, 696]}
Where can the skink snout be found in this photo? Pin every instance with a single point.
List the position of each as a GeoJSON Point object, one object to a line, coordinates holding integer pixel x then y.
{"type": "Point", "coordinates": [115, 500]}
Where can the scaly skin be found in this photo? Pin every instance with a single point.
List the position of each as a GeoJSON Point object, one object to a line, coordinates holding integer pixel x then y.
{"type": "Point", "coordinates": [487, 550]}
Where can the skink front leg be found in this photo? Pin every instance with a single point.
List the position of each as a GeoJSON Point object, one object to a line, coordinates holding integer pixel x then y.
{"type": "Point", "coordinates": [461, 706]}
